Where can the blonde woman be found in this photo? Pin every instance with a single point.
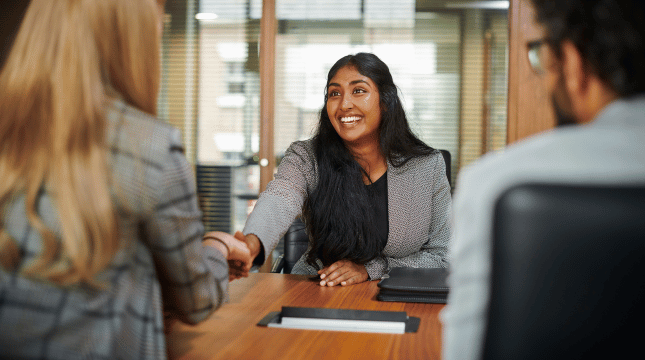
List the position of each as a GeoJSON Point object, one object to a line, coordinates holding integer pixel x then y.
{"type": "Point", "coordinates": [98, 209]}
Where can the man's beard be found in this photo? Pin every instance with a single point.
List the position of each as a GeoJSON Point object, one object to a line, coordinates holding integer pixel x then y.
{"type": "Point", "coordinates": [562, 118]}
{"type": "Point", "coordinates": [562, 104]}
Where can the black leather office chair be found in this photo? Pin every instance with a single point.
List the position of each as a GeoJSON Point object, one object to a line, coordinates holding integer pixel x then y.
{"type": "Point", "coordinates": [296, 242]}
{"type": "Point", "coordinates": [296, 239]}
{"type": "Point", "coordinates": [568, 275]}
{"type": "Point", "coordinates": [448, 159]}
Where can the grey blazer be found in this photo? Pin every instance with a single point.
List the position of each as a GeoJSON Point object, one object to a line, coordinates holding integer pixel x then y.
{"type": "Point", "coordinates": [160, 226]}
{"type": "Point", "coordinates": [419, 207]}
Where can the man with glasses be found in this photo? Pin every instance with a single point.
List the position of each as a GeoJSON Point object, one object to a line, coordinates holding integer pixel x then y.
{"type": "Point", "coordinates": [592, 58]}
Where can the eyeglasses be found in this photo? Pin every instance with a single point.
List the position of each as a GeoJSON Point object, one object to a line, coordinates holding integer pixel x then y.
{"type": "Point", "coordinates": [535, 51]}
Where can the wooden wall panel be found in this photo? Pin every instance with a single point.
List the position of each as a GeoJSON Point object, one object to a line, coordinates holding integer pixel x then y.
{"type": "Point", "coordinates": [268, 28]}
{"type": "Point", "coordinates": [529, 106]}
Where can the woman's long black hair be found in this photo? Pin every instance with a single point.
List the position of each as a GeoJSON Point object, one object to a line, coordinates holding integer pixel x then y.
{"type": "Point", "coordinates": [337, 213]}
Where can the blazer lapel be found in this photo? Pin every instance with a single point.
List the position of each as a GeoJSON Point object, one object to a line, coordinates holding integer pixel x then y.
{"type": "Point", "coordinates": [399, 184]}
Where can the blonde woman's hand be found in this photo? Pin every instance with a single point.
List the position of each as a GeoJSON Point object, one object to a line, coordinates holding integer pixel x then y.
{"type": "Point", "coordinates": [343, 273]}
{"type": "Point", "coordinates": [238, 254]}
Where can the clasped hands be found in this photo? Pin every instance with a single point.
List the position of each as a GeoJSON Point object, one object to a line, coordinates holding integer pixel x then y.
{"type": "Point", "coordinates": [238, 252]}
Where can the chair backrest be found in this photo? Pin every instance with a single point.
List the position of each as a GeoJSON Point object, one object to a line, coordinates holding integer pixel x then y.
{"type": "Point", "coordinates": [296, 242]}
{"type": "Point", "coordinates": [568, 274]}
{"type": "Point", "coordinates": [448, 159]}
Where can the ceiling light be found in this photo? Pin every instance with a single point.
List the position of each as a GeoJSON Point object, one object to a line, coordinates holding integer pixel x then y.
{"type": "Point", "coordinates": [206, 16]}
{"type": "Point", "coordinates": [488, 5]}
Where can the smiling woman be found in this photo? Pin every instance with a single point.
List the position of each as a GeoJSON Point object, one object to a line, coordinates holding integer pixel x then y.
{"type": "Point", "coordinates": [372, 195]}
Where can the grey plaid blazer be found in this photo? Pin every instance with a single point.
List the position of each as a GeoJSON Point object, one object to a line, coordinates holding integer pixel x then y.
{"type": "Point", "coordinates": [419, 208]}
{"type": "Point", "coordinates": [160, 224]}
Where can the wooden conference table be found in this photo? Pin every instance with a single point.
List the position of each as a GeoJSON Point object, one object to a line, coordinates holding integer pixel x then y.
{"type": "Point", "coordinates": [231, 332]}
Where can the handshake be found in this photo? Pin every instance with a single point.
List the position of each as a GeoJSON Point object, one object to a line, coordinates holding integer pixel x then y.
{"type": "Point", "coordinates": [239, 250]}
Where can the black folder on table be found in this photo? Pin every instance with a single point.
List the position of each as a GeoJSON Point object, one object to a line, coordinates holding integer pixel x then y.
{"type": "Point", "coordinates": [414, 285]}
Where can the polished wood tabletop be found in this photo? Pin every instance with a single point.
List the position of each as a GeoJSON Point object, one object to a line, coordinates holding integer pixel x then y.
{"type": "Point", "coordinates": [231, 332]}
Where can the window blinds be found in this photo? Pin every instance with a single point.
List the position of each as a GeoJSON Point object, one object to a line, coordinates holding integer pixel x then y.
{"type": "Point", "coordinates": [449, 62]}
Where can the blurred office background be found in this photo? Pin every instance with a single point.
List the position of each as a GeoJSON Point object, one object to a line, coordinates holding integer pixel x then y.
{"type": "Point", "coordinates": [449, 58]}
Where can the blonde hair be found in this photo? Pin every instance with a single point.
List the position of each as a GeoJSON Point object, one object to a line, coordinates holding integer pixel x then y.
{"type": "Point", "coordinates": [68, 59]}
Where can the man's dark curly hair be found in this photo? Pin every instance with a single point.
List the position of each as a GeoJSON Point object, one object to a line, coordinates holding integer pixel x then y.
{"type": "Point", "coordinates": [610, 35]}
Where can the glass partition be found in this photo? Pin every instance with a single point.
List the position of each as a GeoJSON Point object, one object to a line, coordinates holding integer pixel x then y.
{"type": "Point", "coordinates": [449, 59]}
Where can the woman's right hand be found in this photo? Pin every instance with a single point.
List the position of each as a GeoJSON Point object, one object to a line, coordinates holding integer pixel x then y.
{"type": "Point", "coordinates": [237, 253]}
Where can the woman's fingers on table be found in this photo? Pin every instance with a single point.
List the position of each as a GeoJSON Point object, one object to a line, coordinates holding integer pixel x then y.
{"type": "Point", "coordinates": [325, 272]}
{"type": "Point", "coordinates": [356, 274]}
{"type": "Point", "coordinates": [343, 272]}
{"type": "Point", "coordinates": [355, 278]}
{"type": "Point", "coordinates": [335, 277]}
{"type": "Point", "coordinates": [343, 278]}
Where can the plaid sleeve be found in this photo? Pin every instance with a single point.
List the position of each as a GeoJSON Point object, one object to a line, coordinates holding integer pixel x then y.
{"type": "Point", "coordinates": [193, 278]}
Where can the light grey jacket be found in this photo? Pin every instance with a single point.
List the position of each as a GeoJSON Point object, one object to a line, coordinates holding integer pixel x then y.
{"type": "Point", "coordinates": [419, 208]}
{"type": "Point", "coordinates": [608, 151]}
